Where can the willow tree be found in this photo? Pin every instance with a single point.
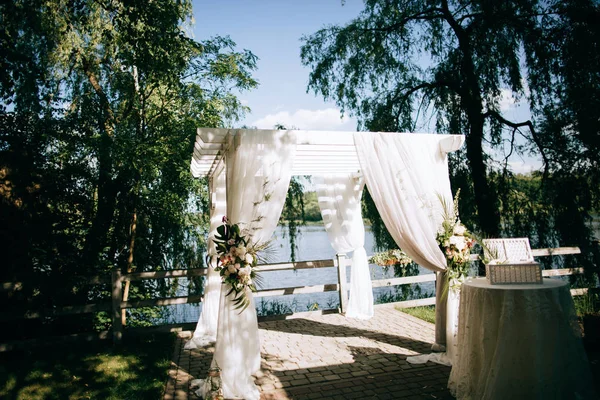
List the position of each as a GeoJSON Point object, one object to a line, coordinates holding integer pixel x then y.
{"type": "Point", "coordinates": [453, 58]}
{"type": "Point", "coordinates": [100, 105]}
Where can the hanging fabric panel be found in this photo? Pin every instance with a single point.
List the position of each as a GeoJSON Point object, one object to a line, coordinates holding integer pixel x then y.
{"type": "Point", "coordinates": [339, 200]}
{"type": "Point", "coordinates": [206, 330]}
{"type": "Point", "coordinates": [258, 176]}
{"type": "Point", "coordinates": [407, 177]}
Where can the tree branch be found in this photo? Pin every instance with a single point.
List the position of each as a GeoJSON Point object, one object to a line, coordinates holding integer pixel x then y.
{"type": "Point", "coordinates": [110, 117]}
{"type": "Point", "coordinates": [427, 85]}
{"type": "Point", "coordinates": [425, 15]}
{"type": "Point", "coordinates": [512, 147]}
{"type": "Point", "coordinates": [516, 125]}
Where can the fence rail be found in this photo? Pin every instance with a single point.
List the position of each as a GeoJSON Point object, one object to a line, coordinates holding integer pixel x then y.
{"type": "Point", "coordinates": [117, 303]}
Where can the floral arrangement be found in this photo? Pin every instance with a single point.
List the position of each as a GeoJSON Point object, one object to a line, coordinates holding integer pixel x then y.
{"type": "Point", "coordinates": [456, 242]}
{"type": "Point", "coordinates": [390, 257]}
{"type": "Point", "coordinates": [236, 263]}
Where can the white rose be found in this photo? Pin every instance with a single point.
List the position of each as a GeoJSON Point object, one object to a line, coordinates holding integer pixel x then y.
{"type": "Point", "coordinates": [458, 241]}
{"type": "Point", "coordinates": [459, 229]}
{"type": "Point", "coordinates": [241, 251]}
{"type": "Point", "coordinates": [231, 268]}
{"type": "Point", "coordinates": [237, 266]}
{"type": "Point", "coordinates": [249, 258]}
{"type": "Point", "coordinates": [245, 271]}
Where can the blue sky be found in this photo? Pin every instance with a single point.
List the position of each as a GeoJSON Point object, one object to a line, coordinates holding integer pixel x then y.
{"type": "Point", "coordinates": [272, 30]}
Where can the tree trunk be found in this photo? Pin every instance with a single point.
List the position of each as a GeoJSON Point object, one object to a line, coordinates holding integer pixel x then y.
{"type": "Point", "coordinates": [472, 103]}
{"type": "Point", "coordinates": [107, 193]}
{"type": "Point", "coordinates": [485, 199]}
{"type": "Point", "coordinates": [107, 188]}
{"type": "Point", "coordinates": [135, 193]}
{"type": "Point", "coordinates": [129, 264]}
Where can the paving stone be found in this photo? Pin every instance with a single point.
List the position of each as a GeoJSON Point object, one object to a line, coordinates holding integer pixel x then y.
{"type": "Point", "coordinates": [299, 382]}
{"type": "Point", "coordinates": [329, 357]}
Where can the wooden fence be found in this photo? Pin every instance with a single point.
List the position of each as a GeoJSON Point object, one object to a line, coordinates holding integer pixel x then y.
{"type": "Point", "coordinates": [118, 303]}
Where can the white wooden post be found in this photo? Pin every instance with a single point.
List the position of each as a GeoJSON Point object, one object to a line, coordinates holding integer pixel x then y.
{"type": "Point", "coordinates": [117, 296]}
{"type": "Point", "coordinates": [342, 281]}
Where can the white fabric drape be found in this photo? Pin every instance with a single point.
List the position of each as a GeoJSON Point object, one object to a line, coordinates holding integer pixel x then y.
{"type": "Point", "coordinates": [407, 174]}
{"type": "Point", "coordinates": [339, 200]}
{"type": "Point", "coordinates": [206, 330]}
{"type": "Point", "coordinates": [258, 176]}
{"type": "Point", "coordinates": [452, 307]}
{"type": "Point", "coordinates": [407, 177]}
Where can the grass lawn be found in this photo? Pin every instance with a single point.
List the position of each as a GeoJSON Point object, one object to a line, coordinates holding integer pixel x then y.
{"type": "Point", "coordinates": [426, 313]}
{"type": "Point", "coordinates": [136, 370]}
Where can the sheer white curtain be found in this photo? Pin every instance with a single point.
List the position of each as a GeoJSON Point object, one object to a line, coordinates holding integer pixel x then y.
{"type": "Point", "coordinates": [339, 201]}
{"type": "Point", "coordinates": [206, 330]}
{"type": "Point", "coordinates": [258, 175]}
{"type": "Point", "coordinates": [406, 175]}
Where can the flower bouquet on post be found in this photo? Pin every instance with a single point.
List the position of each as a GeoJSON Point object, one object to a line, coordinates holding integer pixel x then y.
{"type": "Point", "coordinates": [390, 257]}
{"type": "Point", "coordinates": [456, 243]}
{"type": "Point", "coordinates": [236, 263]}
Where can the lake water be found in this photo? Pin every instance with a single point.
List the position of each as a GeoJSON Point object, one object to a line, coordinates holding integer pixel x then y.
{"type": "Point", "coordinates": [312, 244]}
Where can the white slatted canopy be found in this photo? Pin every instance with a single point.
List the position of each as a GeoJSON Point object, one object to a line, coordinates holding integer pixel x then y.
{"type": "Point", "coordinates": [318, 152]}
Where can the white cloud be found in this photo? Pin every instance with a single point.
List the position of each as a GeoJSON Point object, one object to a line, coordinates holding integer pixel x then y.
{"type": "Point", "coordinates": [325, 119]}
{"type": "Point", "coordinates": [507, 100]}
{"type": "Point", "coordinates": [521, 167]}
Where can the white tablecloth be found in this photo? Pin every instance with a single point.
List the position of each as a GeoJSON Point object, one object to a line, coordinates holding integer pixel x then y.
{"type": "Point", "coordinates": [519, 342]}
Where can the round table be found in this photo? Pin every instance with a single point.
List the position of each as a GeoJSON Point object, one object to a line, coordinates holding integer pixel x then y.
{"type": "Point", "coordinates": [519, 342]}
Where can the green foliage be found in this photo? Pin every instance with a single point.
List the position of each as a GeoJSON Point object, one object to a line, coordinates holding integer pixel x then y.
{"type": "Point", "coordinates": [426, 313]}
{"type": "Point", "coordinates": [293, 213]}
{"type": "Point", "coordinates": [402, 293]}
{"type": "Point", "coordinates": [92, 371]}
{"type": "Point", "coordinates": [588, 303]}
{"type": "Point", "coordinates": [312, 212]}
{"type": "Point", "coordinates": [99, 107]}
{"type": "Point", "coordinates": [273, 307]}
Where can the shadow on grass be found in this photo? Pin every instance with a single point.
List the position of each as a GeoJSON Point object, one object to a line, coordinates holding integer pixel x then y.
{"type": "Point", "coordinates": [135, 370]}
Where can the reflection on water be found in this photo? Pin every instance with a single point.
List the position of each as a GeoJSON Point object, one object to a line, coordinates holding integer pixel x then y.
{"type": "Point", "coordinates": [313, 244]}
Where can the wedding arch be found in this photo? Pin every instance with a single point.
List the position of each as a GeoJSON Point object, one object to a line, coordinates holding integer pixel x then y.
{"type": "Point", "coordinates": [249, 173]}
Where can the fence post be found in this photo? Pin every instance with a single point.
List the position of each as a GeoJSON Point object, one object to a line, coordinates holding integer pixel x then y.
{"type": "Point", "coordinates": [342, 281]}
{"type": "Point", "coordinates": [117, 296]}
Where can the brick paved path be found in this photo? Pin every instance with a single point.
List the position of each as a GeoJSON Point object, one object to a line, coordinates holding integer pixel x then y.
{"type": "Point", "coordinates": [331, 357]}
